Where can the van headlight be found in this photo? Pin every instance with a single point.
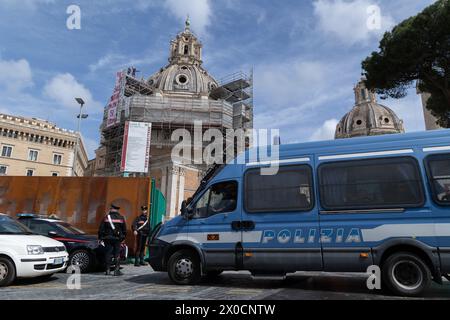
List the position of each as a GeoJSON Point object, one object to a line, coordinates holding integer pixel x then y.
{"type": "Point", "coordinates": [35, 250]}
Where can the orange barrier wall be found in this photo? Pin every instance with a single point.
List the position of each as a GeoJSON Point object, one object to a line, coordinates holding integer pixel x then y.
{"type": "Point", "coordinates": [82, 202]}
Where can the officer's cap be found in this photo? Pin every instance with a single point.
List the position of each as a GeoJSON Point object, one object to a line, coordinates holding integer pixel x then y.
{"type": "Point", "coordinates": [113, 206]}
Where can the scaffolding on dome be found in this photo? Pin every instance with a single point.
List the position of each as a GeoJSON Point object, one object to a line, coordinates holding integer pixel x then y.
{"type": "Point", "coordinates": [230, 106]}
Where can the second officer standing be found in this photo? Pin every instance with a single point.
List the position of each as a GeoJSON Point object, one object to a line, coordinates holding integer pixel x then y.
{"type": "Point", "coordinates": [141, 229]}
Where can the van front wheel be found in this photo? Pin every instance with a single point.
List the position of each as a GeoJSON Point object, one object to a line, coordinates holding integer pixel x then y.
{"type": "Point", "coordinates": [405, 274]}
{"type": "Point", "coordinates": [184, 267]}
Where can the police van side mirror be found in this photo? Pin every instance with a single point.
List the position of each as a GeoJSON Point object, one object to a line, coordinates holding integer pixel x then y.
{"type": "Point", "coordinates": [185, 211]}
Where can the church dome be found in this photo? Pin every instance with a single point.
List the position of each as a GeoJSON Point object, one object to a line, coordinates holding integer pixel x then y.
{"type": "Point", "coordinates": [368, 118]}
{"type": "Point", "coordinates": [184, 72]}
{"type": "Point", "coordinates": [184, 78]}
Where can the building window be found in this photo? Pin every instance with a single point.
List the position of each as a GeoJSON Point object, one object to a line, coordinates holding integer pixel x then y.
{"type": "Point", "coordinates": [363, 94]}
{"type": "Point", "coordinates": [438, 168]}
{"type": "Point", "coordinates": [287, 191]}
{"type": "Point", "coordinates": [3, 170]}
{"type": "Point", "coordinates": [33, 155]}
{"type": "Point", "coordinates": [30, 172]}
{"type": "Point", "coordinates": [371, 184]}
{"type": "Point", "coordinates": [6, 151]}
{"type": "Point", "coordinates": [182, 79]}
{"type": "Point", "coordinates": [57, 159]}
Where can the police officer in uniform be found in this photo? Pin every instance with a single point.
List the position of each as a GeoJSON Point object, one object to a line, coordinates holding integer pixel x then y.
{"type": "Point", "coordinates": [141, 229]}
{"type": "Point", "coordinates": [112, 232]}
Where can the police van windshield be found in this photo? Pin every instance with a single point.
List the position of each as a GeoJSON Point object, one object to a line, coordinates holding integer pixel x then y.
{"type": "Point", "coordinates": [10, 226]}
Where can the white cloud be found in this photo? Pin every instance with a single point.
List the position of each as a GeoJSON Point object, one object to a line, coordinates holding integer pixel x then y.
{"type": "Point", "coordinates": [64, 88]}
{"type": "Point", "coordinates": [326, 131]}
{"type": "Point", "coordinates": [296, 93]}
{"type": "Point", "coordinates": [24, 4]}
{"type": "Point", "coordinates": [199, 12]}
{"type": "Point", "coordinates": [117, 61]}
{"type": "Point", "coordinates": [107, 61]}
{"type": "Point", "coordinates": [285, 82]}
{"type": "Point", "coordinates": [409, 109]}
{"type": "Point", "coordinates": [348, 20]}
{"type": "Point", "coordinates": [15, 75]}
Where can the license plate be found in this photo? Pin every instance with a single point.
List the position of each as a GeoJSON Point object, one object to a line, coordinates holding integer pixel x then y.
{"type": "Point", "coordinates": [58, 261]}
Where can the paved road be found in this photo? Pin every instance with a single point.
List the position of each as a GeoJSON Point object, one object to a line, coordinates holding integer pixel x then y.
{"type": "Point", "coordinates": [143, 283]}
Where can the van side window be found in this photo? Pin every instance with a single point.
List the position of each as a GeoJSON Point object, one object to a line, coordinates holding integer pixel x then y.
{"type": "Point", "coordinates": [220, 198]}
{"type": "Point", "coordinates": [289, 190]}
{"type": "Point", "coordinates": [371, 184]}
{"type": "Point", "coordinates": [439, 176]}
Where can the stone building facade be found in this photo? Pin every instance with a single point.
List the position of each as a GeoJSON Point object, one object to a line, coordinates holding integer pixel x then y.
{"type": "Point", "coordinates": [368, 117]}
{"type": "Point", "coordinates": [34, 147]}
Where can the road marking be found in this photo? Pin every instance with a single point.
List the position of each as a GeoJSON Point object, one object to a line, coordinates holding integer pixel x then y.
{"type": "Point", "coordinates": [45, 286]}
{"type": "Point", "coordinates": [244, 292]}
{"type": "Point", "coordinates": [165, 288]}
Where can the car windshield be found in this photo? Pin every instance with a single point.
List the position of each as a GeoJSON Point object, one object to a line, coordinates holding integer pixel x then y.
{"type": "Point", "coordinates": [66, 227]}
{"type": "Point", "coordinates": [11, 226]}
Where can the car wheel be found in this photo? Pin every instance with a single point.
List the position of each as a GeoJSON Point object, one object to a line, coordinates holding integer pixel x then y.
{"type": "Point", "coordinates": [7, 272]}
{"type": "Point", "coordinates": [406, 274]}
{"type": "Point", "coordinates": [82, 259]}
{"type": "Point", "coordinates": [184, 267]}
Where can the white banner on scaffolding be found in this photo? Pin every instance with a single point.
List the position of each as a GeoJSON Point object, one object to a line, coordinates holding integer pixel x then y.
{"type": "Point", "coordinates": [136, 147]}
{"type": "Point", "coordinates": [113, 104]}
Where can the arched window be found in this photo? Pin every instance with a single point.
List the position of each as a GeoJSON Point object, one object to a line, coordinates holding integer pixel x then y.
{"type": "Point", "coordinates": [186, 49]}
{"type": "Point", "coordinates": [363, 94]}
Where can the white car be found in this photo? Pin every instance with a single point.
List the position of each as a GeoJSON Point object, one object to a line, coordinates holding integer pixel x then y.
{"type": "Point", "coordinates": [25, 255]}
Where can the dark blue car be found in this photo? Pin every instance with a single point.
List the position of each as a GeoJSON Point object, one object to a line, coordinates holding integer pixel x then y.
{"type": "Point", "coordinates": [84, 250]}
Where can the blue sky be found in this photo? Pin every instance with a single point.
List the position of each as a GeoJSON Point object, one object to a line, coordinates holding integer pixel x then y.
{"type": "Point", "coordinates": [306, 55]}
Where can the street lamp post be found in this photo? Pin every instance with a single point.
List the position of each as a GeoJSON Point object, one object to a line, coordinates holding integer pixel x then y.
{"type": "Point", "coordinates": [80, 117]}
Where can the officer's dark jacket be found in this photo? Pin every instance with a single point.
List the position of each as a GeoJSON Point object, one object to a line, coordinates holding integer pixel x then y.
{"type": "Point", "coordinates": [139, 222]}
{"type": "Point", "coordinates": [106, 232]}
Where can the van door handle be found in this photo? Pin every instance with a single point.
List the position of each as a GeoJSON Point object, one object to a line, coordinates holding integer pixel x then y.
{"type": "Point", "coordinates": [243, 225]}
{"type": "Point", "coordinates": [236, 225]}
{"type": "Point", "coordinates": [248, 225]}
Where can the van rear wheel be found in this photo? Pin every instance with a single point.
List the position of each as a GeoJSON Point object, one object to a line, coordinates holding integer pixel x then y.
{"type": "Point", "coordinates": [184, 267]}
{"type": "Point", "coordinates": [405, 274]}
{"type": "Point", "coordinates": [7, 272]}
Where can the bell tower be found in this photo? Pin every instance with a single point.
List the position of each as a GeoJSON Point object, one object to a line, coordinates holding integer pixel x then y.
{"type": "Point", "coordinates": [363, 94]}
{"type": "Point", "coordinates": [186, 48]}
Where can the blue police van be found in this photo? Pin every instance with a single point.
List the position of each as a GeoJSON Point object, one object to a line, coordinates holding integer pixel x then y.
{"type": "Point", "coordinates": [333, 206]}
